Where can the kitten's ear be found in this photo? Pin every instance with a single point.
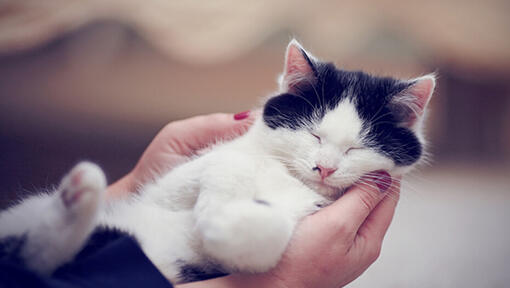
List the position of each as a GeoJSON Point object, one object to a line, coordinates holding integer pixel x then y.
{"type": "Point", "coordinates": [299, 66]}
{"type": "Point", "coordinates": [410, 104]}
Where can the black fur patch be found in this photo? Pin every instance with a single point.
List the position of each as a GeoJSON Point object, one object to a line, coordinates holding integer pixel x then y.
{"type": "Point", "coordinates": [10, 249]}
{"type": "Point", "coordinates": [309, 101]}
{"type": "Point", "coordinates": [194, 272]}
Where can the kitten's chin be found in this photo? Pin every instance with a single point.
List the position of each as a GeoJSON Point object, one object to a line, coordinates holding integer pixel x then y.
{"type": "Point", "coordinates": [326, 190]}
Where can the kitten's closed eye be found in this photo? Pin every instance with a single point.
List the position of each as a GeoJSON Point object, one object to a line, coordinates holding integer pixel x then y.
{"type": "Point", "coordinates": [346, 151]}
{"type": "Point", "coordinates": [351, 149]}
{"type": "Point", "coordinates": [317, 137]}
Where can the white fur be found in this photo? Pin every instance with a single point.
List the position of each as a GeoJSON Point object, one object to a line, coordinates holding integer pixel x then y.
{"type": "Point", "coordinates": [56, 226]}
{"type": "Point", "coordinates": [235, 206]}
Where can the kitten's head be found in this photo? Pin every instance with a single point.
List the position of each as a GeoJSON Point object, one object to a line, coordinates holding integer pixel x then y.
{"type": "Point", "coordinates": [331, 126]}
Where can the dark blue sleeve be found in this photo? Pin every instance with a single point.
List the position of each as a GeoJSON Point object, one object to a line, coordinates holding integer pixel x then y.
{"type": "Point", "coordinates": [108, 260]}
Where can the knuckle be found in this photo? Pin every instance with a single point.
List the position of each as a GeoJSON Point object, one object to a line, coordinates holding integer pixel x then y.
{"type": "Point", "coordinates": [374, 251]}
{"type": "Point", "coordinates": [342, 228]}
{"type": "Point", "coordinates": [167, 130]}
{"type": "Point", "coordinates": [216, 117]}
{"type": "Point", "coordinates": [345, 232]}
{"type": "Point", "coordinates": [395, 195]}
{"type": "Point", "coordinates": [368, 200]}
{"type": "Point", "coordinates": [170, 126]}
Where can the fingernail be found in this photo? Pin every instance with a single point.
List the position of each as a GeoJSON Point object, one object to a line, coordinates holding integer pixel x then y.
{"type": "Point", "coordinates": [383, 180]}
{"type": "Point", "coordinates": [242, 115]}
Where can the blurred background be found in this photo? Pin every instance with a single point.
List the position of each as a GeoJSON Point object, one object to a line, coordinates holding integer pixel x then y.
{"type": "Point", "coordinates": [97, 80]}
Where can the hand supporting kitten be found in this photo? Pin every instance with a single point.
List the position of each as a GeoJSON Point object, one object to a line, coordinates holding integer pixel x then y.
{"type": "Point", "coordinates": [329, 248]}
{"type": "Point", "coordinates": [176, 142]}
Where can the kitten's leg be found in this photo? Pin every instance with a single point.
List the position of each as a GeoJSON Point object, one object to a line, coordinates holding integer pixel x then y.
{"type": "Point", "coordinates": [245, 214]}
{"type": "Point", "coordinates": [244, 235]}
{"type": "Point", "coordinates": [53, 228]}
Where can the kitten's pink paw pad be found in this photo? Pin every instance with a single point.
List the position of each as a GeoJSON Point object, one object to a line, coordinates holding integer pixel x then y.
{"type": "Point", "coordinates": [76, 177]}
{"type": "Point", "coordinates": [69, 197]}
{"type": "Point", "coordinates": [86, 180]}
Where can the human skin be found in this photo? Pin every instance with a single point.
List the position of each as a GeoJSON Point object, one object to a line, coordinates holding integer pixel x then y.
{"type": "Point", "coordinates": [176, 142]}
{"type": "Point", "coordinates": [330, 248]}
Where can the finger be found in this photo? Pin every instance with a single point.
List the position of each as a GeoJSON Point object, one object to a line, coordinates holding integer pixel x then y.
{"type": "Point", "coordinates": [378, 222]}
{"type": "Point", "coordinates": [190, 135]}
{"type": "Point", "coordinates": [351, 210]}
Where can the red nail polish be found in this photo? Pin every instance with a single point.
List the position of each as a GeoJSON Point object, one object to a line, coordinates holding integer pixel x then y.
{"type": "Point", "coordinates": [382, 180]}
{"type": "Point", "coordinates": [242, 115]}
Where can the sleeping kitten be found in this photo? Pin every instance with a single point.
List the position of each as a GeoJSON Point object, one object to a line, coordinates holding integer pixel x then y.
{"type": "Point", "coordinates": [235, 207]}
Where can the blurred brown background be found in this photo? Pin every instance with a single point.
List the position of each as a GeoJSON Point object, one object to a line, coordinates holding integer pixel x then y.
{"type": "Point", "coordinates": [97, 79]}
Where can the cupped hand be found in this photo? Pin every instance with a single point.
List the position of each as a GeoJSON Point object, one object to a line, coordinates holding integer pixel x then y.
{"type": "Point", "coordinates": [178, 141]}
{"type": "Point", "coordinates": [329, 248]}
{"type": "Point", "coordinates": [332, 247]}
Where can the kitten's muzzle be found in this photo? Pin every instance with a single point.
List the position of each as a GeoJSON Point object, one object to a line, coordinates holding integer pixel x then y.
{"type": "Point", "coordinates": [324, 171]}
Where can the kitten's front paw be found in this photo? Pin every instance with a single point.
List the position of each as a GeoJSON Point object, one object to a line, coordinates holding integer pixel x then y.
{"type": "Point", "coordinates": [246, 235]}
{"type": "Point", "coordinates": [82, 189]}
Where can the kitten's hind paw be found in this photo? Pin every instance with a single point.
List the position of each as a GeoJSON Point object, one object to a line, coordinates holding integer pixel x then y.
{"type": "Point", "coordinates": [66, 223]}
{"type": "Point", "coordinates": [83, 188]}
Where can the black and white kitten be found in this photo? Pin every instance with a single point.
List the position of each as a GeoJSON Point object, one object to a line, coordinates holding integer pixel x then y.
{"type": "Point", "coordinates": [235, 207]}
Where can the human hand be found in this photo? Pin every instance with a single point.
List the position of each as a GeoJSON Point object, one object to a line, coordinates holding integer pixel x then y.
{"type": "Point", "coordinates": [334, 246]}
{"type": "Point", "coordinates": [179, 140]}
{"type": "Point", "coordinates": [329, 248]}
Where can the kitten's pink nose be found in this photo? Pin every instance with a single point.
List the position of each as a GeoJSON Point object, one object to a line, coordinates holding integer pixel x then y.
{"type": "Point", "coordinates": [325, 171]}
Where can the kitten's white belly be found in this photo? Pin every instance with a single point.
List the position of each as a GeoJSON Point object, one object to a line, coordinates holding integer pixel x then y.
{"type": "Point", "coordinates": [164, 217]}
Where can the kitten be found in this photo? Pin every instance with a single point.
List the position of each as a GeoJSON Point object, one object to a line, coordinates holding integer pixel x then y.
{"type": "Point", "coordinates": [235, 207]}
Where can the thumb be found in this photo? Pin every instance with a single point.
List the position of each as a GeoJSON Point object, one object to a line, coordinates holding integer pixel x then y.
{"type": "Point", "coordinates": [355, 205]}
